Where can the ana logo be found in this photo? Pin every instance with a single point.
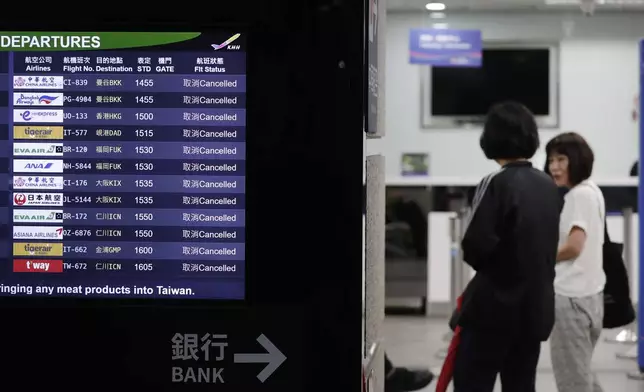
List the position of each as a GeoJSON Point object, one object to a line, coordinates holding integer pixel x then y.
{"type": "Point", "coordinates": [26, 115]}
{"type": "Point", "coordinates": [39, 165]}
{"type": "Point", "coordinates": [19, 199]}
{"type": "Point", "coordinates": [47, 99]}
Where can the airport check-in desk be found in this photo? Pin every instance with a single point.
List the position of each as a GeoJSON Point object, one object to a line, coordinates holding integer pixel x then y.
{"type": "Point", "coordinates": [413, 281]}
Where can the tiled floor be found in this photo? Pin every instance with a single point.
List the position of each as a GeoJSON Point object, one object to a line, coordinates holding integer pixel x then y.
{"type": "Point", "coordinates": [415, 341]}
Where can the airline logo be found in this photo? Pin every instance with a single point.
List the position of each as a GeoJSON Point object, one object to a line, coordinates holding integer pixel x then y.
{"type": "Point", "coordinates": [38, 199]}
{"type": "Point", "coordinates": [38, 265]}
{"type": "Point", "coordinates": [38, 149]}
{"type": "Point", "coordinates": [37, 116]}
{"type": "Point", "coordinates": [37, 132]}
{"type": "Point", "coordinates": [37, 216]}
{"type": "Point", "coordinates": [31, 249]}
{"type": "Point", "coordinates": [37, 233]}
{"type": "Point", "coordinates": [38, 99]}
{"type": "Point", "coordinates": [38, 82]}
{"type": "Point", "coordinates": [37, 182]}
{"type": "Point", "coordinates": [37, 166]}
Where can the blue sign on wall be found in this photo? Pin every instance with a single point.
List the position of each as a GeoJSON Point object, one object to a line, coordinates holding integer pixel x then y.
{"type": "Point", "coordinates": [445, 48]}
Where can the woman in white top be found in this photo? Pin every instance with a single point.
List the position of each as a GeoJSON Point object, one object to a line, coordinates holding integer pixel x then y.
{"type": "Point", "coordinates": [580, 279]}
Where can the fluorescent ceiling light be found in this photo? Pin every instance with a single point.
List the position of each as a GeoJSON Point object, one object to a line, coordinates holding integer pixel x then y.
{"type": "Point", "coordinates": [598, 2]}
{"type": "Point", "coordinates": [562, 2]}
{"type": "Point", "coordinates": [435, 6]}
{"type": "Point", "coordinates": [438, 15]}
{"type": "Point", "coordinates": [440, 25]}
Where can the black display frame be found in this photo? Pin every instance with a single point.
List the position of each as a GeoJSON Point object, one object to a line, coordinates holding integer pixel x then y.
{"type": "Point", "coordinates": [94, 301]}
{"type": "Point", "coordinates": [308, 303]}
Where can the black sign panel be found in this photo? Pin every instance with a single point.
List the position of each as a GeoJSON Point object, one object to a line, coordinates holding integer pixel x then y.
{"type": "Point", "coordinates": [374, 15]}
{"type": "Point", "coordinates": [274, 302]}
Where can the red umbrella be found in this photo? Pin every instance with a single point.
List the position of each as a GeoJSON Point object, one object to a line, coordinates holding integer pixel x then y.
{"type": "Point", "coordinates": [447, 371]}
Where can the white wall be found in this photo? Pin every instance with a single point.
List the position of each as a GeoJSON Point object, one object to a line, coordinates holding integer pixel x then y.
{"type": "Point", "coordinates": [438, 258]}
{"type": "Point", "coordinates": [598, 74]}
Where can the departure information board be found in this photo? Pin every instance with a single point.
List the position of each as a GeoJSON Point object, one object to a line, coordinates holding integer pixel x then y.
{"type": "Point", "coordinates": [124, 158]}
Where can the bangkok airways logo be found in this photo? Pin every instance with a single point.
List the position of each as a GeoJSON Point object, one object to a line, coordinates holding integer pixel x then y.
{"type": "Point", "coordinates": [47, 99]}
{"type": "Point", "coordinates": [38, 99]}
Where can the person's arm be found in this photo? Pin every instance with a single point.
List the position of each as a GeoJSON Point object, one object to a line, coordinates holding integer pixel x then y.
{"type": "Point", "coordinates": [573, 246]}
{"type": "Point", "coordinates": [480, 239]}
{"type": "Point", "coordinates": [577, 211]}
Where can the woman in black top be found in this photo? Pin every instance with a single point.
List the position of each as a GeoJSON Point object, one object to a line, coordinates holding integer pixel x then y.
{"type": "Point", "coordinates": [511, 242]}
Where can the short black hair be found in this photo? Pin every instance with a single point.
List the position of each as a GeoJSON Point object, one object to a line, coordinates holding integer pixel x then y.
{"type": "Point", "coordinates": [510, 132]}
{"type": "Point", "coordinates": [580, 156]}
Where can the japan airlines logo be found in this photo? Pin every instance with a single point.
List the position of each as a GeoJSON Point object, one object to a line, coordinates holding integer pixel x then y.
{"type": "Point", "coordinates": [37, 82]}
{"type": "Point", "coordinates": [19, 199]}
{"type": "Point", "coordinates": [37, 182]}
{"type": "Point", "coordinates": [37, 233]}
{"type": "Point", "coordinates": [35, 99]}
{"type": "Point", "coordinates": [226, 42]}
{"type": "Point", "coordinates": [37, 116]}
{"type": "Point", "coordinates": [37, 216]}
{"type": "Point", "coordinates": [38, 199]}
{"type": "Point", "coordinates": [37, 166]}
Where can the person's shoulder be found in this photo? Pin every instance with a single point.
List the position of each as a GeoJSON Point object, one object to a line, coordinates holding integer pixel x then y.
{"type": "Point", "coordinates": [531, 175]}
{"type": "Point", "coordinates": [489, 180]}
{"type": "Point", "coordinates": [543, 178]}
{"type": "Point", "coordinates": [584, 191]}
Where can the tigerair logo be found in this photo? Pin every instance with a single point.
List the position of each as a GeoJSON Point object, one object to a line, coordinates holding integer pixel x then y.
{"type": "Point", "coordinates": [37, 249]}
{"type": "Point", "coordinates": [37, 132]}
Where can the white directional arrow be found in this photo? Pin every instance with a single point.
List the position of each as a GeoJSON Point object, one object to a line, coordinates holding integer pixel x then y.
{"type": "Point", "coordinates": [273, 358]}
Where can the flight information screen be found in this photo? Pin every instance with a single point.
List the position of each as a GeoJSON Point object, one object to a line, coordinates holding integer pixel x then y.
{"type": "Point", "coordinates": [124, 159]}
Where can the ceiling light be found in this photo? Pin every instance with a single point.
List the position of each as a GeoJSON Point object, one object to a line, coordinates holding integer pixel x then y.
{"type": "Point", "coordinates": [440, 25]}
{"type": "Point", "coordinates": [598, 2]}
{"type": "Point", "coordinates": [435, 6]}
{"type": "Point", "coordinates": [438, 15]}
